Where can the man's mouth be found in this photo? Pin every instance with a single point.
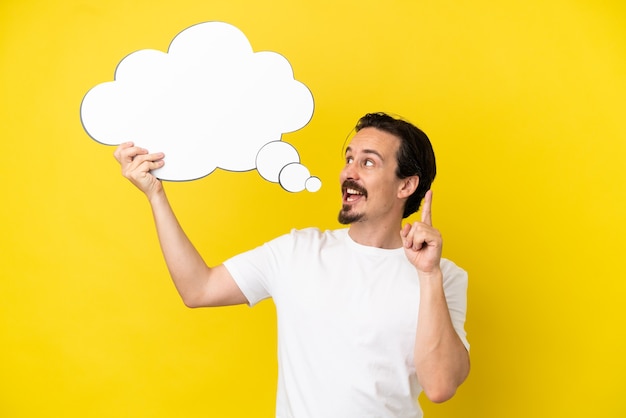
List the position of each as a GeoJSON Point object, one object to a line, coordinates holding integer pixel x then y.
{"type": "Point", "coordinates": [352, 195]}
{"type": "Point", "coordinates": [353, 192]}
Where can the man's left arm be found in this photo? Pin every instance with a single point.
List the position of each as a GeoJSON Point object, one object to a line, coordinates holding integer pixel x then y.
{"type": "Point", "coordinates": [441, 359]}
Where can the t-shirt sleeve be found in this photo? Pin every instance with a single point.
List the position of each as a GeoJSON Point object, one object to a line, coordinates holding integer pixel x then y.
{"type": "Point", "coordinates": [257, 270]}
{"type": "Point", "coordinates": [251, 270]}
{"type": "Point", "coordinates": [455, 283]}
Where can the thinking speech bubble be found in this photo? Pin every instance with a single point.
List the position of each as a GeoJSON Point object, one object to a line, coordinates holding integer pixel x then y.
{"type": "Point", "coordinates": [209, 102]}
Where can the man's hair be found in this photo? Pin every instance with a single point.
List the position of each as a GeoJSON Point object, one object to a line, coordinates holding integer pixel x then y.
{"type": "Point", "coordinates": [415, 154]}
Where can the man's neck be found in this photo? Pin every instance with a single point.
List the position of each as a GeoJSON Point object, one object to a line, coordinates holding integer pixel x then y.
{"type": "Point", "coordinates": [380, 236]}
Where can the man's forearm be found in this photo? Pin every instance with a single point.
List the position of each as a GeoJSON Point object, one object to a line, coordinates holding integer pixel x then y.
{"type": "Point", "coordinates": [187, 268]}
{"type": "Point", "coordinates": [441, 359]}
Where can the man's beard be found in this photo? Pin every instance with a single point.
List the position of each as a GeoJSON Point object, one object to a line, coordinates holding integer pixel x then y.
{"type": "Point", "coordinates": [346, 217]}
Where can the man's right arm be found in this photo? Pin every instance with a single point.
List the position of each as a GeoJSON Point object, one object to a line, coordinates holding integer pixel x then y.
{"type": "Point", "coordinates": [198, 284]}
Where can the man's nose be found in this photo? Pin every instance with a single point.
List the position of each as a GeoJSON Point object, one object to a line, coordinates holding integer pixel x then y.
{"type": "Point", "coordinates": [350, 172]}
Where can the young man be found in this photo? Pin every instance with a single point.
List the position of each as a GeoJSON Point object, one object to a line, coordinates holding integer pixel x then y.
{"type": "Point", "coordinates": [368, 316]}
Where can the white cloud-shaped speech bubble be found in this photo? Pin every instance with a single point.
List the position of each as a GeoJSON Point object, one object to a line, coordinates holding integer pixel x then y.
{"type": "Point", "coordinates": [209, 102]}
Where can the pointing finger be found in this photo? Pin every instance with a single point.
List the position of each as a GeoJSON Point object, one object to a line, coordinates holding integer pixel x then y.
{"type": "Point", "coordinates": [426, 215]}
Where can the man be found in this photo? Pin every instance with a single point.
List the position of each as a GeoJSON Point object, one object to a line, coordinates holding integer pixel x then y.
{"type": "Point", "coordinates": [367, 316]}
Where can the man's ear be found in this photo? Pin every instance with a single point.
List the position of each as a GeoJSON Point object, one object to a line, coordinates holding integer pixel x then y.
{"type": "Point", "coordinates": [408, 186]}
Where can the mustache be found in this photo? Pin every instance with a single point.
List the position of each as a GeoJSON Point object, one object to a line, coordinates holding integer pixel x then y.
{"type": "Point", "coordinates": [351, 184]}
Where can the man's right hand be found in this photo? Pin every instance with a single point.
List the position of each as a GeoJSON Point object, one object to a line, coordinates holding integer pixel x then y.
{"type": "Point", "coordinates": [136, 165]}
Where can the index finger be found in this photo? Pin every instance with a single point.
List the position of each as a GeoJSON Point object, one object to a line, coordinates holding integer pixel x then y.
{"type": "Point", "coordinates": [127, 151]}
{"type": "Point", "coordinates": [426, 215]}
{"type": "Point", "coordinates": [121, 147]}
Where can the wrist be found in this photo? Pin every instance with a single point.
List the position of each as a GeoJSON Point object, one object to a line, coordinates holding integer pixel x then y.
{"type": "Point", "coordinates": [431, 276]}
{"type": "Point", "coordinates": [156, 197]}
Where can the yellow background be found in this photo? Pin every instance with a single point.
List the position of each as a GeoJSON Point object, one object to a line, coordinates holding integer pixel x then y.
{"type": "Point", "coordinates": [523, 100]}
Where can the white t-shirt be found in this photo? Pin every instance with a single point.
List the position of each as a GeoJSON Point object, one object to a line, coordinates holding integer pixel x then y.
{"type": "Point", "coordinates": [347, 317]}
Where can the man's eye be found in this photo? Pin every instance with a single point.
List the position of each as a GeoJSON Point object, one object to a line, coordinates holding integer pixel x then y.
{"type": "Point", "coordinates": [349, 160]}
{"type": "Point", "coordinates": [369, 163]}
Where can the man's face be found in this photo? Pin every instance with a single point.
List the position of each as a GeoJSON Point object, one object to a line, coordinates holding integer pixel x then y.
{"type": "Point", "coordinates": [369, 183]}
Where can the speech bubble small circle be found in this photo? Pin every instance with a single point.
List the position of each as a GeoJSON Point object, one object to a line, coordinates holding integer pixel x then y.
{"type": "Point", "coordinates": [313, 184]}
{"type": "Point", "coordinates": [272, 157]}
{"type": "Point", "coordinates": [293, 177]}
